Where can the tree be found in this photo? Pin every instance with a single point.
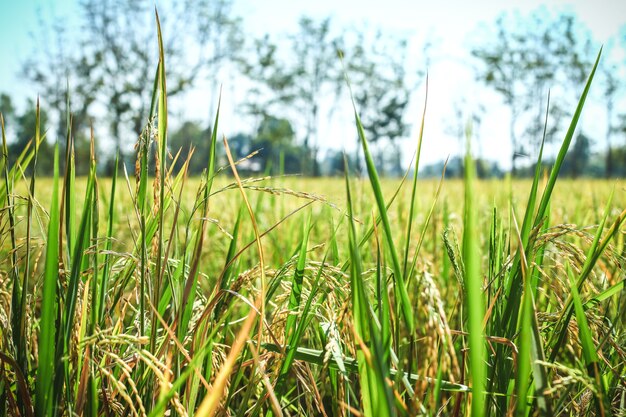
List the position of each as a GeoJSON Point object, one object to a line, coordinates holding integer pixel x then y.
{"type": "Point", "coordinates": [467, 112]}
{"type": "Point", "coordinates": [611, 86]}
{"type": "Point", "coordinates": [297, 86]}
{"type": "Point", "coordinates": [616, 120]}
{"type": "Point", "coordinates": [528, 55]}
{"type": "Point", "coordinates": [576, 161]}
{"type": "Point", "coordinates": [190, 135]}
{"type": "Point", "coordinates": [619, 156]}
{"type": "Point", "coordinates": [221, 41]}
{"type": "Point", "coordinates": [333, 163]}
{"type": "Point", "coordinates": [317, 73]}
{"type": "Point", "coordinates": [271, 80]}
{"type": "Point", "coordinates": [24, 125]}
{"type": "Point", "coordinates": [377, 72]}
{"type": "Point", "coordinates": [302, 83]}
{"type": "Point", "coordinates": [240, 146]}
{"type": "Point", "coordinates": [53, 67]}
{"type": "Point", "coordinates": [6, 106]}
{"type": "Point", "coordinates": [275, 140]}
{"type": "Point", "coordinates": [111, 63]}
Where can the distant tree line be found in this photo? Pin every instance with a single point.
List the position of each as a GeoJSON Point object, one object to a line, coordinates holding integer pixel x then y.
{"type": "Point", "coordinates": [293, 84]}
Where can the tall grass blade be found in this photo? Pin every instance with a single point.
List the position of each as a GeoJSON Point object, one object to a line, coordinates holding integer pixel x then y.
{"type": "Point", "coordinates": [69, 183]}
{"type": "Point", "coordinates": [14, 267]}
{"type": "Point", "coordinates": [375, 392]}
{"type": "Point", "coordinates": [400, 287]}
{"type": "Point", "coordinates": [590, 355]}
{"type": "Point", "coordinates": [45, 386]}
{"type": "Point", "coordinates": [78, 265]}
{"type": "Point", "coordinates": [296, 283]}
{"type": "Point", "coordinates": [414, 187]}
{"type": "Point", "coordinates": [473, 287]}
{"type": "Point", "coordinates": [188, 295]}
{"type": "Point", "coordinates": [162, 170]}
{"type": "Point", "coordinates": [556, 168]}
{"type": "Point", "coordinates": [515, 290]}
{"type": "Point", "coordinates": [108, 243]}
{"type": "Point", "coordinates": [530, 349]}
{"type": "Point", "coordinates": [20, 336]}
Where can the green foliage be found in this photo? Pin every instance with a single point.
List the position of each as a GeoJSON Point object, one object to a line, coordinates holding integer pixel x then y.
{"type": "Point", "coordinates": [190, 136]}
{"type": "Point", "coordinates": [527, 55]}
{"type": "Point", "coordinates": [109, 61]}
{"type": "Point", "coordinates": [378, 70]}
{"type": "Point", "coordinates": [577, 161]}
{"type": "Point", "coordinates": [299, 84]}
{"type": "Point", "coordinates": [473, 284]}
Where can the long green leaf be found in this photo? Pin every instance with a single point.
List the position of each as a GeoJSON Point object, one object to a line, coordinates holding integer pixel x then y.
{"type": "Point", "coordinates": [375, 391]}
{"type": "Point", "coordinates": [108, 243]}
{"type": "Point", "coordinates": [45, 386]}
{"type": "Point", "coordinates": [400, 287]}
{"type": "Point", "coordinates": [556, 168]}
{"type": "Point", "coordinates": [473, 288]}
{"type": "Point", "coordinates": [590, 355]}
{"type": "Point", "coordinates": [296, 283]}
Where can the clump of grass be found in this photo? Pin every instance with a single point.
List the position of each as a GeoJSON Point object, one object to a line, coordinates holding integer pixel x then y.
{"type": "Point", "coordinates": [136, 301]}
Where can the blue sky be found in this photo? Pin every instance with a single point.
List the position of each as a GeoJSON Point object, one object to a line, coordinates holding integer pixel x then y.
{"type": "Point", "coordinates": [451, 23]}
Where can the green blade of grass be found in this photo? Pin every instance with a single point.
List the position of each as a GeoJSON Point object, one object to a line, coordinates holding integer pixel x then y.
{"type": "Point", "coordinates": [319, 357]}
{"type": "Point", "coordinates": [400, 287]}
{"type": "Point", "coordinates": [69, 184]}
{"type": "Point", "coordinates": [296, 282]}
{"type": "Point", "coordinates": [21, 162]}
{"type": "Point", "coordinates": [188, 295]}
{"type": "Point", "coordinates": [95, 222]}
{"type": "Point", "coordinates": [530, 353]}
{"type": "Point", "coordinates": [45, 386]}
{"type": "Point", "coordinates": [530, 348]}
{"type": "Point", "coordinates": [370, 231]}
{"type": "Point", "coordinates": [590, 355]}
{"type": "Point", "coordinates": [511, 309]}
{"type": "Point", "coordinates": [91, 393]}
{"type": "Point", "coordinates": [532, 198]}
{"type": "Point", "coordinates": [514, 301]}
{"type": "Point", "coordinates": [473, 288]}
{"type": "Point", "coordinates": [82, 244]}
{"type": "Point", "coordinates": [606, 294]}
{"type": "Point", "coordinates": [383, 304]}
{"type": "Point", "coordinates": [20, 336]}
{"type": "Point", "coordinates": [108, 243]}
{"type": "Point", "coordinates": [79, 263]}
{"type": "Point", "coordinates": [227, 271]}
{"type": "Point", "coordinates": [162, 149]}
{"type": "Point", "coordinates": [296, 336]}
{"type": "Point", "coordinates": [305, 319]}
{"type": "Point", "coordinates": [14, 268]}
{"type": "Point", "coordinates": [427, 221]}
{"type": "Point", "coordinates": [414, 188]}
{"type": "Point", "coordinates": [556, 168]}
{"type": "Point", "coordinates": [375, 392]}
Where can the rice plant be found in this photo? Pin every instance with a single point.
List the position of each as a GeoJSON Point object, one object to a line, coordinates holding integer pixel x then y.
{"type": "Point", "coordinates": [159, 294]}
